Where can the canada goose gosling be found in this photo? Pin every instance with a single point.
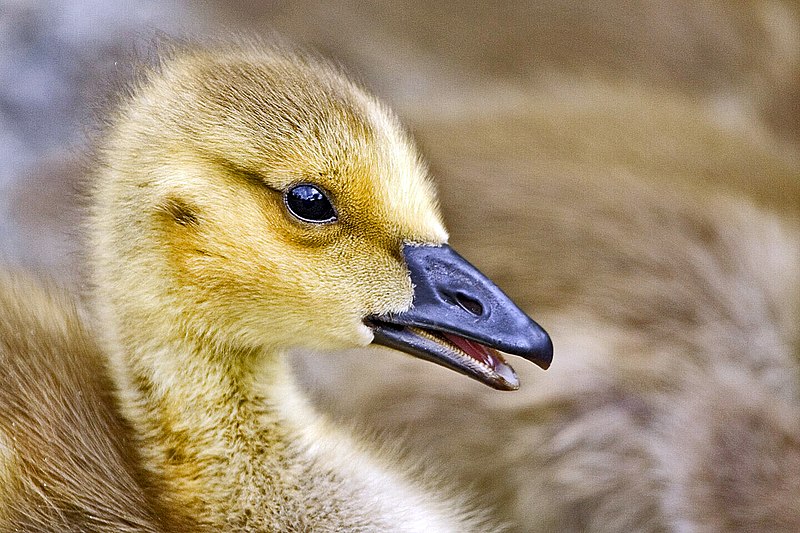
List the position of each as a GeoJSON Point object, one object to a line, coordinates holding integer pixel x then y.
{"type": "Point", "coordinates": [252, 201]}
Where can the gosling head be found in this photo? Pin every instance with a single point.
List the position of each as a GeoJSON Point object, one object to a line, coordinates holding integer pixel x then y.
{"type": "Point", "coordinates": [260, 200]}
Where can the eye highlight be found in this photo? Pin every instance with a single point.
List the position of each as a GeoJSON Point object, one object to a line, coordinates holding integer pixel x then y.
{"type": "Point", "coordinates": [309, 204]}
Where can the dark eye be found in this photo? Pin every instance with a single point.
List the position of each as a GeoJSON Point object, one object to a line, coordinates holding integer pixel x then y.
{"type": "Point", "coordinates": [309, 204]}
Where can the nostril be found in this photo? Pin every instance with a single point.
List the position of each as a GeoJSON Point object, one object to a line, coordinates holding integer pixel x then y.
{"type": "Point", "coordinates": [467, 303]}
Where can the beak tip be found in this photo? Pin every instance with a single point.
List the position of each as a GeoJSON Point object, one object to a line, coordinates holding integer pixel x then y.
{"type": "Point", "coordinates": [540, 350]}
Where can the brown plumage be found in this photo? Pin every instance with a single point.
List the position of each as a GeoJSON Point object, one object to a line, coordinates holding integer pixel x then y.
{"type": "Point", "coordinates": [67, 463]}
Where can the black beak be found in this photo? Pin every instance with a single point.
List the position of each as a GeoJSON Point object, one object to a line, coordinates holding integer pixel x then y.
{"type": "Point", "coordinates": [459, 318]}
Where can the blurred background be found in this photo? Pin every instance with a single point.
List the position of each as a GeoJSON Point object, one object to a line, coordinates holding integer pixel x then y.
{"type": "Point", "coordinates": [629, 172]}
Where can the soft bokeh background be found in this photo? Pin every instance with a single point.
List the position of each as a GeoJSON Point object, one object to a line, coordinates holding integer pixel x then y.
{"type": "Point", "coordinates": [433, 61]}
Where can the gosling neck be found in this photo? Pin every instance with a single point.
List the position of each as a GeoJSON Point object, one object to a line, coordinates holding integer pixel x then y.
{"type": "Point", "coordinates": [208, 427]}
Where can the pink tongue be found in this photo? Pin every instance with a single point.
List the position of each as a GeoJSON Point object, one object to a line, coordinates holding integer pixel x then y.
{"type": "Point", "coordinates": [488, 356]}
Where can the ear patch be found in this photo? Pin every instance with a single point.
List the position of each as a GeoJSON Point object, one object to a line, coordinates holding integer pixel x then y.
{"type": "Point", "coordinates": [180, 212]}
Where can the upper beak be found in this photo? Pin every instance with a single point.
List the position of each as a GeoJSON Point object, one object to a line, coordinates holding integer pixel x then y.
{"type": "Point", "coordinates": [458, 318]}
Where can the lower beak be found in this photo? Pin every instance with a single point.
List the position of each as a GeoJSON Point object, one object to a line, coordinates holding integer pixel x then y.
{"type": "Point", "coordinates": [460, 319]}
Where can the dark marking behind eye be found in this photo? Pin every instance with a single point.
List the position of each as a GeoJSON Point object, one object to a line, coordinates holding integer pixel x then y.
{"type": "Point", "coordinates": [180, 212]}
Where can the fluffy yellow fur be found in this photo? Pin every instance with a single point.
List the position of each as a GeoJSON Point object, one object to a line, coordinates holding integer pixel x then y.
{"type": "Point", "coordinates": [204, 279]}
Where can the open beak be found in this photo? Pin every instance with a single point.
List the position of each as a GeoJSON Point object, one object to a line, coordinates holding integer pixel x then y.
{"type": "Point", "coordinates": [460, 319]}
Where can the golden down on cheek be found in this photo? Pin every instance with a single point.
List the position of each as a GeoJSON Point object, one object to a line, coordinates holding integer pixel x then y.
{"type": "Point", "coordinates": [249, 252]}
